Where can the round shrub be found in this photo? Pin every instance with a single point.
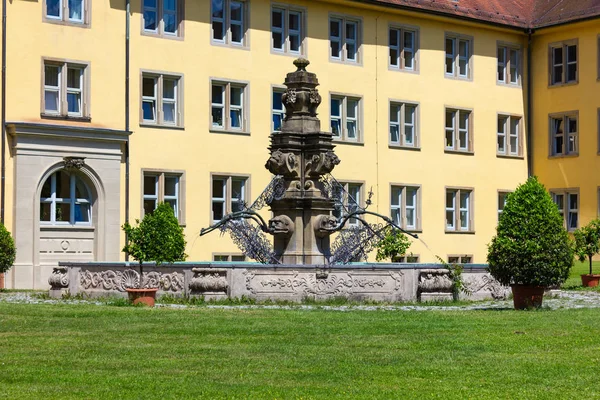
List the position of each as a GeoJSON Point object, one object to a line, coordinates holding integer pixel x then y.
{"type": "Point", "coordinates": [531, 246]}
{"type": "Point", "coordinates": [7, 250]}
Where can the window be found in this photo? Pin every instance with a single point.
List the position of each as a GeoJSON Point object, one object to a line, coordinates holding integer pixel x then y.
{"type": "Point", "coordinates": [458, 56]}
{"type": "Point", "coordinates": [73, 12]}
{"type": "Point", "coordinates": [459, 210]}
{"type": "Point", "coordinates": [403, 125]}
{"type": "Point", "coordinates": [348, 200]}
{"type": "Point", "coordinates": [563, 62]}
{"type": "Point", "coordinates": [567, 201]}
{"type": "Point", "coordinates": [162, 17]}
{"type": "Point", "coordinates": [287, 30]}
{"type": "Point", "coordinates": [405, 207]}
{"type": "Point", "coordinates": [65, 200]}
{"type": "Point", "coordinates": [411, 259]}
{"type": "Point", "coordinates": [344, 117]}
{"type": "Point", "coordinates": [564, 139]}
{"type": "Point", "coordinates": [162, 99]}
{"type": "Point", "coordinates": [458, 131]}
{"type": "Point", "coordinates": [229, 257]}
{"type": "Point", "coordinates": [509, 65]}
{"type": "Point", "coordinates": [229, 194]}
{"type": "Point", "coordinates": [463, 259]}
{"type": "Point", "coordinates": [163, 187]}
{"type": "Point", "coordinates": [278, 110]}
{"type": "Point", "coordinates": [65, 90]}
{"type": "Point", "coordinates": [228, 18]}
{"type": "Point", "coordinates": [502, 197]}
{"type": "Point", "coordinates": [344, 39]}
{"type": "Point", "coordinates": [403, 44]}
{"type": "Point", "coordinates": [509, 136]}
{"type": "Point", "coordinates": [228, 106]}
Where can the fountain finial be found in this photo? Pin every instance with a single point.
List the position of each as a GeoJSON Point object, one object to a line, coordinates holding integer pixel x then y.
{"type": "Point", "coordinates": [301, 64]}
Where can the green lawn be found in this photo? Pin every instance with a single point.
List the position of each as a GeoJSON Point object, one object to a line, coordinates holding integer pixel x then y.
{"type": "Point", "coordinates": [578, 269]}
{"type": "Point", "coordinates": [92, 352]}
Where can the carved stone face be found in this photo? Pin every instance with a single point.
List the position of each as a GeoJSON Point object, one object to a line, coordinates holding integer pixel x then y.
{"type": "Point", "coordinates": [281, 225]}
{"type": "Point", "coordinates": [325, 225]}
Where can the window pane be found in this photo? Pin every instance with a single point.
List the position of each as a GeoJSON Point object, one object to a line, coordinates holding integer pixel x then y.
{"type": "Point", "coordinates": [53, 8]}
{"type": "Point", "coordinates": [150, 185]}
{"type": "Point", "coordinates": [396, 196]}
{"type": "Point", "coordinates": [450, 199]}
{"type": "Point", "coordinates": [148, 113]}
{"type": "Point", "coordinates": [236, 33]}
{"type": "Point", "coordinates": [463, 120]}
{"type": "Point", "coordinates": [74, 78]}
{"type": "Point", "coordinates": [149, 206]}
{"type": "Point", "coordinates": [394, 133]}
{"type": "Point", "coordinates": [45, 211]}
{"type": "Point", "coordinates": [169, 86]}
{"type": "Point", "coordinates": [221, 258]}
{"type": "Point", "coordinates": [294, 19]}
{"type": "Point", "coordinates": [411, 197]}
{"type": "Point", "coordinates": [351, 30]}
{"type": "Point", "coordinates": [218, 210]}
{"type": "Point", "coordinates": [277, 18]}
{"type": "Point", "coordinates": [171, 185]}
{"type": "Point", "coordinates": [352, 106]}
{"type": "Point", "coordinates": [218, 190]}
{"type": "Point", "coordinates": [236, 96]}
{"type": "Point", "coordinates": [217, 8]}
{"type": "Point", "coordinates": [236, 11]}
{"type": "Point", "coordinates": [278, 40]}
{"type": "Point", "coordinates": [571, 53]}
{"type": "Point", "coordinates": [236, 118]}
{"type": "Point", "coordinates": [148, 87]}
{"type": "Point", "coordinates": [51, 101]}
{"type": "Point", "coordinates": [238, 258]}
{"type": "Point", "coordinates": [217, 116]}
{"type": "Point", "coordinates": [170, 22]}
{"type": "Point", "coordinates": [557, 51]}
{"type": "Point", "coordinates": [464, 200]}
{"type": "Point", "coordinates": [218, 30]}
{"type": "Point", "coordinates": [217, 94]}
{"type": "Point", "coordinates": [335, 107]}
{"type": "Point", "coordinates": [82, 212]}
{"type": "Point", "coordinates": [170, 5]}
{"type": "Point", "coordinates": [573, 201]}
{"type": "Point", "coordinates": [169, 112]}
{"type": "Point", "coordinates": [463, 48]}
{"type": "Point", "coordinates": [51, 75]}
{"type": "Point", "coordinates": [63, 212]}
{"type": "Point", "coordinates": [334, 27]}
{"type": "Point", "coordinates": [63, 185]}
{"type": "Point", "coordinates": [149, 20]}
{"type": "Point", "coordinates": [237, 189]}
{"type": "Point", "coordinates": [76, 10]}
{"type": "Point", "coordinates": [47, 188]}
{"type": "Point", "coordinates": [81, 191]}
{"type": "Point", "coordinates": [294, 43]}
{"type": "Point", "coordinates": [571, 72]}
{"type": "Point", "coordinates": [74, 103]}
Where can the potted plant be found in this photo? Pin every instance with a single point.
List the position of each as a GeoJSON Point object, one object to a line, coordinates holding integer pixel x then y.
{"type": "Point", "coordinates": [159, 238]}
{"type": "Point", "coordinates": [393, 245]}
{"type": "Point", "coordinates": [7, 252]}
{"type": "Point", "coordinates": [587, 244]}
{"type": "Point", "coordinates": [531, 249]}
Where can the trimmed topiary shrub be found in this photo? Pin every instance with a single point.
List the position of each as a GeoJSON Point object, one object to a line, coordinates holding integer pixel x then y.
{"type": "Point", "coordinates": [394, 244]}
{"type": "Point", "coordinates": [531, 246]}
{"type": "Point", "coordinates": [8, 251]}
{"type": "Point", "coordinates": [587, 241]}
{"type": "Point", "coordinates": [158, 237]}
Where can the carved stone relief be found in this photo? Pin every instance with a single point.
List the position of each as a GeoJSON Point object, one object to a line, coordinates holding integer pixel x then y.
{"type": "Point", "coordinates": [478, 283]}
{"type": "Point", "coordinates": [209, 280]}
{"type": "Point", "coordinates": [435, 280]}
{"type": "Point", "coordinates": [59, 278]}
{"type": "Point", "coordinates": [123, 280]}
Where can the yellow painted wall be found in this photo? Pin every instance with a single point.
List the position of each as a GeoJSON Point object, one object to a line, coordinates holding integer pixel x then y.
{"type": "Point", "coordinates": [579, 171]}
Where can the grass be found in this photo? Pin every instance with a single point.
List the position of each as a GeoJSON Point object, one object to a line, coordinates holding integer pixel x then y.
{"type": "Point", "coordinates": [97, 352]}
{"type": "Point", "coordinates": [580, 268]}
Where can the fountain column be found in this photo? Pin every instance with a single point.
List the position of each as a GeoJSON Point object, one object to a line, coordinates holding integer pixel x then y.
{"type": "Point", "coordinates": [301, 153]}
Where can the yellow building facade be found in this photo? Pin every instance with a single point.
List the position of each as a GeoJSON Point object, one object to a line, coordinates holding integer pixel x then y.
{"type": "Point", "coordinates": [112, 107]}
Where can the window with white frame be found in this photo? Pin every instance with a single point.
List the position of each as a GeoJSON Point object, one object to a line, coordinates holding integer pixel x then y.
{"type": "Point", "coordinates": [410, 259]}
{"type": "Point", "coordinates": [65, 90]}
{"type": "Point", "coordinates": [459, 136]}
{"type": "Point", "coordinates": [162, 17]}
{"type": "Point", "coordinates": [229, 257]}
{"type": "Point", "coordinates": [67, 11]}
{"type": "Point", "coordinates": [403, 48]}
{"type": "Point", "coordinates": [502, 197]}
{"type": "Point", "coordinates": [344, 117]}
{"type": "Point", "coordinates": [161, 99]}
{"type": "Point", "coordinates": [564, 138]}
{"type": "Point", "coordinates": [459, 50]}
{"type": "Point", "coordinates": [163, 187]}
{"type": "Point", "coordinates": [509, 65]}
{"type": "Point", "coordinates": [228, 106]}
{"type": "Point", "coordinates": [460, 259]}
{"type": "Point", "coordinates": [229, 194]}
{"type": "Point", "coordinates": [344, 39]}
{"type": "Point", "coordinates": [509, 137]}
{"type": "Point", "coordinates": [567, 201]}
{"type": "Point", "coordinates": [563, 62]}
{"type": "Point", "coordinates": [287, 30]}
{"type": "Point", "coordinates": [277, 109]}
{"type": "Point", "coordinates": [65, 200]}
{"type": "Point", "coordinates": [459, 210]}
{"type": "Point", "coordinates": [348, 199]}
{"type": "Point", "coordinates": [403, 124]}
{"type": "Point", "coordinates": [228, 20]}
{"type": "Point", "coordinates": [405, 207]}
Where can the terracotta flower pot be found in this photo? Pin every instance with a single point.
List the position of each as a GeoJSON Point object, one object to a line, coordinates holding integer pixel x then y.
{"type": "Point", "coordinates": [527, 296]}
{"type": "Point", "coordinates": [1, 280]}
{"type": "Point", "coordinates": [143, 296]}
{"type": "Point", "coordinates": [590, 280]}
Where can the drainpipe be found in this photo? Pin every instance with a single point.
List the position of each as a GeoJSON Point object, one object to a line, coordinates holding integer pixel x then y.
{"type": "Point", "coordinates": [3, 117]}
{"type": "Point", "coordinates": [127, 26]}
{"type": "Point", "coordinates": [529, 105]}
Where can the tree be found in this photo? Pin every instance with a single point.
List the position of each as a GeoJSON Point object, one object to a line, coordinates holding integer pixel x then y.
{"type": "Point", "coordinates": [8, 251]}
{"type": "Point", "coordinates": [394, 244]}
{"type": "Point", "coordinates": [587, 241]}
{"type": "Point", "coordinates": [158, 237]}
{"type": "Point", "coordinates": [531, 246]}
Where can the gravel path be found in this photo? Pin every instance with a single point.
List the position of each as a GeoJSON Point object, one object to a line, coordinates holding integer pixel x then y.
{"type": "Point", "coordinates": [556, 299]}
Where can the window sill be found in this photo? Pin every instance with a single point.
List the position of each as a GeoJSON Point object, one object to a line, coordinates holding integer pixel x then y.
{"type": "Point", "coordinates": [400, 147]}
{"type": "Point", "coordinates": [65, 118]}
{"type": "Point", "coordinates": [408, 71]}
{"type": "Point", "coordinates": [230, 45]}
{"type": "Point", "coordinates": [460, 232]}
{"type": "Point", "coordinates": [341, 141]}
{"type": "Point", "coordinates": [66, 227]}
{"type": "Point", "coordinates": [162, 35]}
{"type": "Point", "coordinates": [458, 78]}
{"type": "Point", "coordinates": [459, 152]}
{"type": "Point", "coordinates": [510, 157]}
{"type": "Point", "coordinates": [574, 155]}
{"type": "Point", "coordinates": [288, 53]}
{"type": "Point", "coordinates": [345, 62]}
{"type": "Point", "coordinates": [557, 85]}
{"type": "Point", "coordinates": [172, 127]}
{"type": "Point", "coordinates": [509, 85]}
{"type": "Point", "coordinates": [229, 132]}
{"type": "Point", "coordinates": [66, 23]}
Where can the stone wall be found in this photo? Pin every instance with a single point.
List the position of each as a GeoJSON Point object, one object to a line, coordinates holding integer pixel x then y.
{"type": "Point", "coordinates": [219, 280]}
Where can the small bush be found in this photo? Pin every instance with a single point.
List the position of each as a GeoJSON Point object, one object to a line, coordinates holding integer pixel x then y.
{"type": "Point", "coordinates": [531, 246]}
{"type": "Point", "coordinates": [394, 244]}
{"type": "Point", "coordinates": [8, 251]}
{"type": "Point", "coordinates": [587, 241]}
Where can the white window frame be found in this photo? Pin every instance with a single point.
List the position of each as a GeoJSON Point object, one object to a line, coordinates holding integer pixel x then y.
{"type": "Point", "coordinates": [349, 188]}
{"type": "Point", "coordinates": [228, 200]}
{"type": "Point", "coordinates": [568, 137]}
{"type": "Point", "coordinates": [227, 106]}
{"type": "Point", "coordinates": [64, 90]}
{"type": "Point", "coordinates": [455, 57]}
{"type": "Point", "coordinates": [399, 64]}
{"type": "Point", "coordinates": [506, 133]}
{"type": "Point", "coordinates": [160, 19]}
{"type": "Point", "coordinates": [456, 131]}
{"type": "Point", "coordinates": [460, 259]}
{"type": "Point", "coordinates": [227, 22]}
{"type": "Point", "coordinates": [160, 100]}
{"type": "Point", "coordinates": [286, 32]}
{"type": "Point", "coordinates": [564, 62]}
{"type": "Point", "coordinates": [509, 69]}
{"type": "Point", "coordinates": [565, 208]}
{"type": "Point", "coordinates": [456, 209]}
{"type": "Point", "coordinates": [279, 112]}
{"type": "Point", "coordinates": [399, 206]}
{"type": "Point", "coordinates": [53, 200]}
{"type": "Point", "coordinates": [344, 41]}
{"type": "Point", "coordinates": [224, 257]}
{"type": "Point", "coordinates": [63, 17]}
{"type": "Point", "coordinates": [344, 119]}
{"type": "Point", "coordinates": [501, 202]}
{"type": "Point", "coordinates": [160, 196]}
{"type": "Point", "coordinates": [397, 119]}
